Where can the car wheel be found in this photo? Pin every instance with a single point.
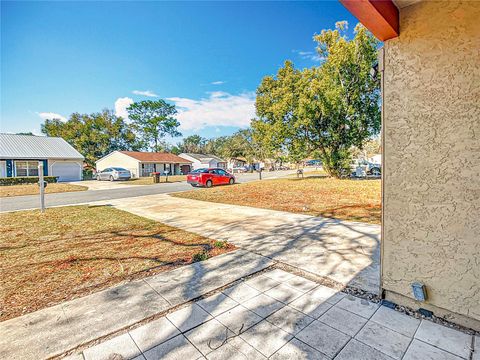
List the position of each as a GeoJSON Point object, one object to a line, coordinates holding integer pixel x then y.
{"type": "Point", "coordinates": [209, 184]}
{"type": "Point", "coordinates": [231, 181]}
{"type": "Point", "coordinates": [376, 172]}
{"type": "Point", "coordinates": [111, 178]}
{"type": "Point", "coordinates": [98, 178]}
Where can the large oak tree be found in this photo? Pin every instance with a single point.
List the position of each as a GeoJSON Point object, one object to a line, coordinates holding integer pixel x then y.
{"type": "Point", "coordinates": [325, 109]}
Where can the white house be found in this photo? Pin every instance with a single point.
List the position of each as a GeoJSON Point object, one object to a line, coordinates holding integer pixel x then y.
{"type": "Point", "coordinates": [143, 164]}
{"type": "Point", "coordinates": [204, 161]}
{"type": "Point", "coordinates": [20, 156]}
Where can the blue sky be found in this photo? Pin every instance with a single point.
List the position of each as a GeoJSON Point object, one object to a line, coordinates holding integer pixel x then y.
{"type": "Point", "coordinates": [206, 57]}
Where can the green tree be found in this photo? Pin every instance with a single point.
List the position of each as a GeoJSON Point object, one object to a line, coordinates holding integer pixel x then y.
{"type": "Point", "coordinates": [94, 135]}
{"type": "Point", "coordinates": [192, 144]}
{"type": "Point", "coordinates": [153, 120]}
{"type": "Point", "coordinates": [328, 108]}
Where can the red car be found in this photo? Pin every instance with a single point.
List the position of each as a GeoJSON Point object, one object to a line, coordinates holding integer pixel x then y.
{"type": "Point", "coordinates": [210, 177]}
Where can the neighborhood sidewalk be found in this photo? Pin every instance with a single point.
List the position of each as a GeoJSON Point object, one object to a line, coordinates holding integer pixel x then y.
{"type": "Point", "coordinates": [55, 330]}
{"type": "Point", "coordinates": [346, 252]}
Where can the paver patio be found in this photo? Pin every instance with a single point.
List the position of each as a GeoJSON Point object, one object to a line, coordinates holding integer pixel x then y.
{"type": "Point", "coordinates": [346, 252]}
{"type": "Point", "coordinates": [54, 330]}
{"type": "Point", "coordinates": [244, 322]}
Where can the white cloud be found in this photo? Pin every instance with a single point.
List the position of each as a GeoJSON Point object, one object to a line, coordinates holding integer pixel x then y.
{"type": "Point", "coordinates": [121, 105]}
{"type": "Point", "coordinates": [219, 109]}
{"type": "Point", "coordinates": [51, 115]}
{"type": "Point", "coordinates": [217, 82]}
{"type": "Point", "coordinates": [310, 55]}
{"type": "Point", "coordinates": [147, 93]}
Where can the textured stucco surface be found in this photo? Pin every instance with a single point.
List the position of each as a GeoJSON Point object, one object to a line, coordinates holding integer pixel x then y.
{"type": "Point", "coordinates": [432, 156]}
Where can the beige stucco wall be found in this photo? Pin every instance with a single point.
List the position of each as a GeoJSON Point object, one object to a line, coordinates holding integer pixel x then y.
{"type": "Point", "coordinates": [121, 160]}
{"type": "Point", "coordinates": [432, 158]}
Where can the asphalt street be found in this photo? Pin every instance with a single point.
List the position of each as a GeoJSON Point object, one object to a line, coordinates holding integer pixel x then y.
{"type": "Point", "coordinates": [81, 197]}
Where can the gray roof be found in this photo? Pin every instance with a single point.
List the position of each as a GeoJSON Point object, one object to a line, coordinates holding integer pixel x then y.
{"type": "Point", "coordinates": [36, 147]}
{"type": "Point", "coordinates": [204, 157]}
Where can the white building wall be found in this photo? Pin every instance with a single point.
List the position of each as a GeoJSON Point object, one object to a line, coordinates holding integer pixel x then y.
{"type": "Point", "coordinates": [118, 159]}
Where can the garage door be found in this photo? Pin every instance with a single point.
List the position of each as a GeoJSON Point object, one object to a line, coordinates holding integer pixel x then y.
{"type": "Point", "coordinates": [66, 171]}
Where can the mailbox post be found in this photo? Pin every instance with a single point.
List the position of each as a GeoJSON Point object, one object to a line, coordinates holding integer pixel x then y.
{"type": "Point", "coordinates": [41, 184]}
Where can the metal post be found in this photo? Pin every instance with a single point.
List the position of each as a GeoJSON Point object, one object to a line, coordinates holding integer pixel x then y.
{"type": "Point", "coordinates": [41, 183]}
{"type": "Point", "coordinates": [260, 173]}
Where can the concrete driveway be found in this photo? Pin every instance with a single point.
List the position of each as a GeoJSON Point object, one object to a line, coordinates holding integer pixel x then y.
{"type": "Point", "coordinates": [342, 251]}
{"type": "Point", "coordinates": [102, 185]}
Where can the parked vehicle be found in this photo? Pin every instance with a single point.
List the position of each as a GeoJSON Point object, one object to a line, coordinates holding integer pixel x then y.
{"type": "Point", "coordinates": [210, 177]}
{"type": "Point", "coordinates": [362, 168]}
{"type": "Point", "coordinates": [114, 173]}
{"type": "Point", "coordinates": [239, 169]}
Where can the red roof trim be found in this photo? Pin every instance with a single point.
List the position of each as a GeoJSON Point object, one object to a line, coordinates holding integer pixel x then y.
{"type": "Point", "coordinates": [378, 16]}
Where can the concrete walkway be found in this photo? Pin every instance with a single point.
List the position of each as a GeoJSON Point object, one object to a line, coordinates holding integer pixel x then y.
{"type": "Point", "coordinates": [345, 252]}
{"type": "Point", "coordinates": [55, 330]}
{"type": "Point", "coordinates": [278, 315]}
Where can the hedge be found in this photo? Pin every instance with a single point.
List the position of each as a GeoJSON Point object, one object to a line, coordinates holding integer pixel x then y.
{"type": "Point", "coordinates": [26, 180]}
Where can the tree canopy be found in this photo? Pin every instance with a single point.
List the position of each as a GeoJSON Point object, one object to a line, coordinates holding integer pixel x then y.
{"type": "Point", "coordinates": [153, 120]}
{"type": "Point", "coordinates": [328, 108]}
{"type": "Point", "coordinates": [93, 135]}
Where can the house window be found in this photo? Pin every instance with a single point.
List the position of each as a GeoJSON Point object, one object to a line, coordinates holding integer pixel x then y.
{"type": "Point", "coordinates": [26, 168]}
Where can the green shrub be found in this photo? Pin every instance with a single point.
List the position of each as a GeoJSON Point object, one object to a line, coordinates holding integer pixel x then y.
{"type": "Point", "coordinates": [220, 244]}
{"type": "Point", "coordinates": [201, 256]}
{"type": "Point", "coordinates": [26, 180]}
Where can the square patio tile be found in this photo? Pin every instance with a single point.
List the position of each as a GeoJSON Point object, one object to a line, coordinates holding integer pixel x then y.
{"type": "Point", "coordinates": [174, 349]}
{"type": "Point", "coordinates": [358, 306]}
{"type": "Point", "coordinates": [327, 294]}
{"type": "Point", "coordinates": [322, 337]}
{"type": "Point", "coordinates": [217, 304]}
{"type": "Point", "coordinates": [239, 319]}
{"type": "Point", "coordinates": [301, 284]}
{"type": "Point", "coordinates": [358, 351]}
{"type": "Point", "coordinates": [263, 305]}
{"type": "Point", "coordinates": [154, 333]}
{"type": "Point", "coordinates": [262, 283]}
{"type": "Point", "coordinates": [241, 292]}
{"type": "Point", "coordinates": [284, 293]}
{"type": "Point", "coordinates": [476, 353]}
{"type": "Point", "coordinates": [383, 339]}
{"type": "Point", "coordinates": [279, 275]}
{"type": "Point", "coordinates": [266, 338]}
{"type": "Point", "coordinates": [451, 340]}
{"type": "Point", "coordinates": [236, 349]}
{"type": "Point", "coordinates": [311, 305]}
{"type": "Point", "coordinates": [343, 320]}
{"type": "Point", "coordinates": [418, 350]}
{"type": "Point", "coordinates": [290, 320]}
{"type": "Point", "coordinates": [209, 336]}
{"type": "Point", "coordinates": [297, 350]}
{"type": "Point", "coordinates": [395, 320]}
{"type": "Point", "coordinates": [122, 345]}
{"type": "Point", "coordinates": [189, 317]}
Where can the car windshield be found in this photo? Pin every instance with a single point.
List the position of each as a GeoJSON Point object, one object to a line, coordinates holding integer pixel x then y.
{"type": "Point", "coordinates": [200, 171]}
{"type": "Point", "coordinates": [119, 169]}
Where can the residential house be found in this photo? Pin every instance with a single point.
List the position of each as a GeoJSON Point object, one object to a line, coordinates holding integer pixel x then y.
{"type": "Point", "coordinates": [142, 164]}
{"type": "Point", "coordinates": [20, 156]}
{"type": "Point", "coordinates": [235, 163]}
{"type": "Point", "coordinates": [204, 161]}
{"type": "Point", "coordinates": [430, 76]}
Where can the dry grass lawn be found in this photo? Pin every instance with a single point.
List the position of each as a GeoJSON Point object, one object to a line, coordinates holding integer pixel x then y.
{"type": "Point", "coordinates": [72, 251]}
{"type": "Point", "coordinates": [355, 200]}
{"type": "Point", "coordinates": [149, 180]}
{"type": "Point", "coordinates": [33, 189]}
